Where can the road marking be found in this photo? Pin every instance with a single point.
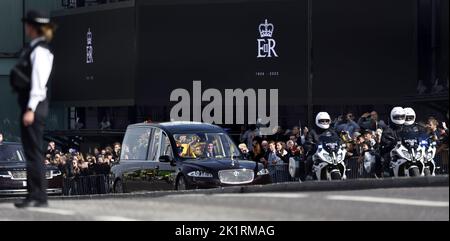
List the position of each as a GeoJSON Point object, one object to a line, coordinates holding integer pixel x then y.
{"type": "Point", "coordinates": [243, 195]}
{"type": "Point", "coordinates": [113, 218]}
{"type": "Point", "coordinates": [266, 194]}
{"type": "Point", "coordinates": [52, 211]}
{"type": "Point", "coordinates": [400, 201]}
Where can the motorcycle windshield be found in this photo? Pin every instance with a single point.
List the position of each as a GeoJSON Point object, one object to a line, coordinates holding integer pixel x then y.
{"type": "Point", "coordinates": [330, 142]}
{"type": "Point", "coordinates": [413, 139]}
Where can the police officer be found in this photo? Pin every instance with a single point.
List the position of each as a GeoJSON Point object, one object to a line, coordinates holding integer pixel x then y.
{"type": "Point", "coordinates": [323, 122]}
{"type": "Point", "coordinates": [391, 135]}
{"type": "Point", "coordinates": [411, 126]}
{"type": "Point", "coordinates": [29, 79]}
{"type": "Point", "coordinates": [410, 122]}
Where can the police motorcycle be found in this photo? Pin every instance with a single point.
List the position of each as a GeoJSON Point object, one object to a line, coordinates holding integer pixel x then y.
{"type": "Point", "coordinates": [408, 155]}
{"type": "Point", "coordinates": [329, 158]}
{"type": "Point", "coordinates": [429, 144]}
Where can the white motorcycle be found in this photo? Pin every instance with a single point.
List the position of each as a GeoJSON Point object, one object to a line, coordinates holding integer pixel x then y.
{"type": "Point", "coordinates": [329, 159]}
{"type": "Point", "coordinates": [408, 157]}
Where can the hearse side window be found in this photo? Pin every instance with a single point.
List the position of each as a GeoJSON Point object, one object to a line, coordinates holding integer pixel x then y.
{"type": "Point", "coordinates": [166, 149]}
{"type": "Point", "coordinates": [153, 154]}
{"type": "Point", "coordinates": [135, 144]}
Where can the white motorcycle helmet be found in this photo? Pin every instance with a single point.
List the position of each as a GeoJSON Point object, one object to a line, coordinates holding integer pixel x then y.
{"type": "Point", "coordinates": [323, 120]}
{"type": "Point", "coordinates": [410, 116]}
{"type": "Point", "coordinates": [398, 116]}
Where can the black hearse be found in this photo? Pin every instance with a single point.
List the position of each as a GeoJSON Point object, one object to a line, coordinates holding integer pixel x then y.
{"type": "Point", "coordinates": [13, 174]}
{"type": "Point", "coordinates": [180, 156]}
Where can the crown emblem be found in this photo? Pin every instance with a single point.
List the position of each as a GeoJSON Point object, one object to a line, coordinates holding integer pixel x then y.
{"type": "Point", "coordinates": [266, 29]}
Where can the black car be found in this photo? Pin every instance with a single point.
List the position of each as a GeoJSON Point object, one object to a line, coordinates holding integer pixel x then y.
{"type": "Point", "coordinates": [13, 175]}
{"type": "Point", "coordinates": [182, 155]}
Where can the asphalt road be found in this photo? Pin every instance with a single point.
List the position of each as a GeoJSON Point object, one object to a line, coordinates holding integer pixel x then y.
{"type": "Point", "coordinates": [428, 203]}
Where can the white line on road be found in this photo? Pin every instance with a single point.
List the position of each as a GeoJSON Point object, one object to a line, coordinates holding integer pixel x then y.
{"type": "Point", "coordinates": [53, 211]}
{"type": "Point", "coordinates": [267, 194]}
{"type": "Point", "coordinates": [400, 201]}
{"type": "Point", "coordinates": [113, 218]}
{"type": "Point", "coordinates": [243, 195]}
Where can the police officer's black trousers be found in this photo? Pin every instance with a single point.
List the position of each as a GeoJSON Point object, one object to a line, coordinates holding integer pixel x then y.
{"type": "Point", "coordinates": [32, 140]}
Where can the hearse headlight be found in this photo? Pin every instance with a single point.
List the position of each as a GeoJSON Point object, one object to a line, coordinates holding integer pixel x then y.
{"type": "Point", "coordinates": [263, 172]}
{"type": "Point", "coordinates": [200, 174]}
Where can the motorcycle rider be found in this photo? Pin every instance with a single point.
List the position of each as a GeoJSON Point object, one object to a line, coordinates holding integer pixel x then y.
{"type": "Point", "coordinates": [412, 127]}
{"type": "Point", "coordinates": [391, 135]}
{"type": "Point", "coordinates": [410, 122]}
{"type": "Point", "coordinates": [323, 122]}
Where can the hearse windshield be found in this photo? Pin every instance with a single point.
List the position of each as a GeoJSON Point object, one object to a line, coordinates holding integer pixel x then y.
{"type": "Point", "coordinates": [205, 146]}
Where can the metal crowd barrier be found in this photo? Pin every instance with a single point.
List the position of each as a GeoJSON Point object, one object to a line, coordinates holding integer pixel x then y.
{"type": "Point", "coordinates": [99, 184]}
{"type": "Point", "coordinates": [280, 172]}
{"type": "Point", "coordinates": [354, 168]}
{"type": "Point", "coordinates": [86, 185]}
{"type": "Point", "coordinates": [441, 161]}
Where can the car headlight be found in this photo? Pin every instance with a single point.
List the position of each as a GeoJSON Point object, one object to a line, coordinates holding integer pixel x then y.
{"type": "Point", "coordinates": [263, 172]}
{"type": "Point", "coordinates": [406, 154]}
{"type": "Point", "coordinates": [5, 174]}
{"type": "Point", "coordinates": [200, 174]}
{"type": "Point", "coordinates": [56, 173]}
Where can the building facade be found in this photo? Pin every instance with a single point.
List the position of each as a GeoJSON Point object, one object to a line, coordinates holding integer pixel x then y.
{"type": "Point", "coordinates": [349, 59]}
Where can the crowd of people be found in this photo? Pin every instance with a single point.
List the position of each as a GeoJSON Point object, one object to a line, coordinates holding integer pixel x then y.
{"type": "Point", "coordinates": [368, 133]}
{"type": "Point", "coordinates": [75, 164]}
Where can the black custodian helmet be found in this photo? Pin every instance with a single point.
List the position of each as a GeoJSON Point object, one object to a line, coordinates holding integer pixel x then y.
{"type": "Point", "coordinates": [36, 18]}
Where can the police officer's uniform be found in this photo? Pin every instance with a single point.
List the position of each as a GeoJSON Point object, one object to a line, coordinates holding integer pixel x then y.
{"type": "Point", "coordinates": [29, 79]}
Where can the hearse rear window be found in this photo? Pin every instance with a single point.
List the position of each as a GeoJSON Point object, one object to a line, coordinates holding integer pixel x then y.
{"type": "Point", "coordinates": [135, 144]}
